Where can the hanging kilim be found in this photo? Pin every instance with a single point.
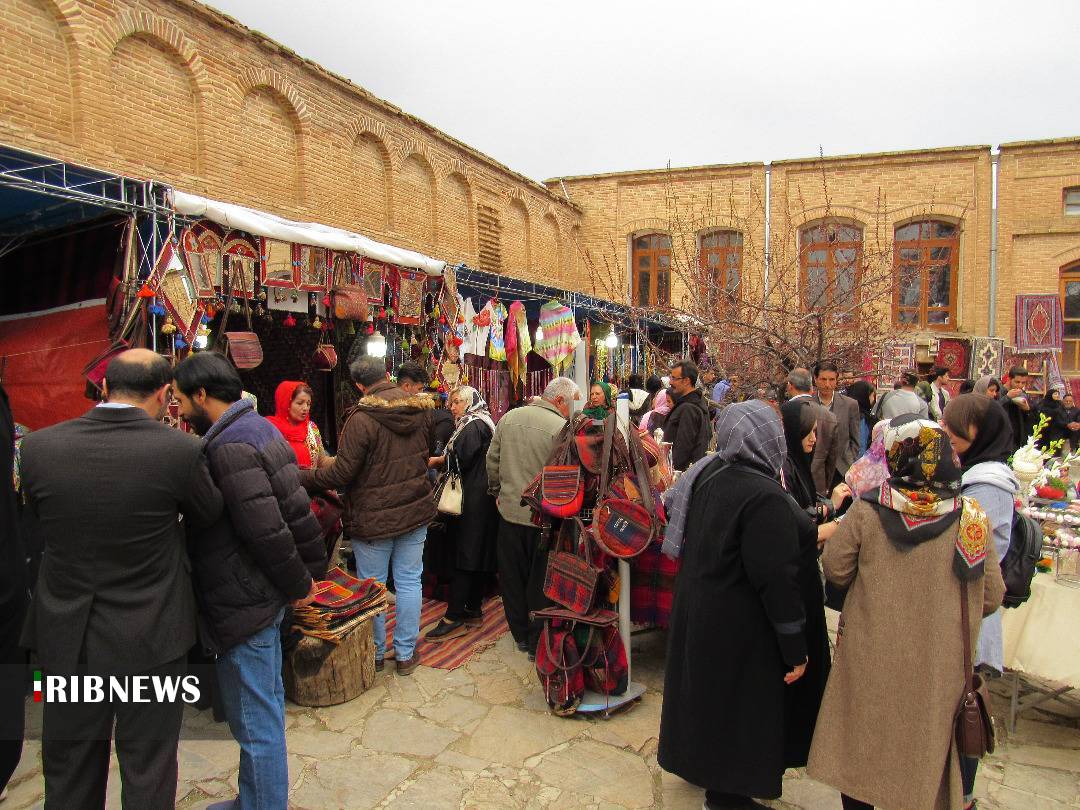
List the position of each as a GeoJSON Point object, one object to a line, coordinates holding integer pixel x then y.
{"type": "Point", "coordinates": [560, 335]}
{"type": "Point", "coordinates": [953, 355]}
{"type": "Point", "coordinates": [518, 343]}
{"type": "Point", "coordinates": [497, 345]}
{"type": "Point", "coordinates": [987, 355]}
{"type": "Point", "coordinates": [1038, 323]}
{"type": "Point", "coordinates": [410, 303]}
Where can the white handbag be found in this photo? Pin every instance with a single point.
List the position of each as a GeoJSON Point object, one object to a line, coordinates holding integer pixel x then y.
{"type": "Point", "coordinates": [450, 495]}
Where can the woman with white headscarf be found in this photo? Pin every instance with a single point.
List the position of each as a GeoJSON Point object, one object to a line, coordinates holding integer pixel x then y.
{"type": "Point", "coordinates": [737, 640]}
{"type": "Point", "coordinates": [473, 532]}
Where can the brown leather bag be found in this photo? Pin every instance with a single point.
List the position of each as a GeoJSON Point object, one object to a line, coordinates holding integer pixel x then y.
{"type": "Point", "coordinates": [325, 357]}
{"type": "Point", "coordinates": [243, 348]}
{"type": "Point", "coordinates": [350, 300]}
{"type": "Point", "coordinates": [974, 719]}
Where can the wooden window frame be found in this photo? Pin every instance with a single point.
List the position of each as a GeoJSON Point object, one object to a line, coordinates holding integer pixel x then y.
{"type": "Point", "coordinates": [1070, 356]}
{"type": "Point", "coordinates": [830, 265]}
{"type": "Point", "coordinates": [655, 251]}
{"type": "Point", "coordinates": [925, 264]}
{"type": "Point", "coordinates": [719, 273]}
{"type": "Point", "coordinates": [1066, 203]}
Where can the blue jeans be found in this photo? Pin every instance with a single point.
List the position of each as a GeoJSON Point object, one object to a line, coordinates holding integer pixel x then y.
{"type": "Point", "coordinates": [406, 553]}
{"type": "Point", "coordinates": [249, 676]}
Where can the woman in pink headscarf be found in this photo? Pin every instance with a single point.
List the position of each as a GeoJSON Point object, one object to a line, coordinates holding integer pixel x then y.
{"type": "Point", "coordinates": [657, 417]}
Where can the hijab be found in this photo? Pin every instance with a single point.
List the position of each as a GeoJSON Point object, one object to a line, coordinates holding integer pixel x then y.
{"type": "Point", "coordinates": [750, 433]}
{"type": "Point", "coordinates": [921, 498]}
{"type": "Point", "coordinates": [661, 406]}
{"type": "Point", "coordinates": [295, 433]}
{"type": "Point", "coordinates": [601, 411]}
{"type": "Point", "coordinates": [475, 409]}
{"type": "Point", "coordinates": [984, 383]}
{"type": "Point", "coordinates": [799, 417]}
{"type": "Point", "coordinates": [871, 469]}
{"type": "Point", "coordinates": [993, 431]}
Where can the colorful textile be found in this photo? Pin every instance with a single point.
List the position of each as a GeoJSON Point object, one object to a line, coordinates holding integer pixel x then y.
{"type": "Point", "coordinates": [987, 356]}
{"type": "Point", "coordinates": [560, 335]}
{"type": "Point", "coordinates": [871, 469]}
{"type": "Point", "coordinates": [1039, 325]}
{"type": "Point", "coordinates": [954, 355]}
{"type": "Point", "coordinates": [652, 586]}
{"type": "Point", "coordinates": [497, 346]}
{"type": "Point", "coordinates": [410, 297]}
{"type": "Point", "coordinates": [453, 653]}
{"type": "Point", "coordinates": [518, 343]}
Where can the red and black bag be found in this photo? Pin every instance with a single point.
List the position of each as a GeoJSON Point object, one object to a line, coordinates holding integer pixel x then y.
{"type": "Point", "coordinates": [562, 490]}
{"type": "Point", "coordinates": [605, 666]}
{"type": "Point", "coordinates": [558, 665]}
{"type": "Point", "coordinates": [622, 527]}
{"type": "Point", "coordinates": [571, 578]}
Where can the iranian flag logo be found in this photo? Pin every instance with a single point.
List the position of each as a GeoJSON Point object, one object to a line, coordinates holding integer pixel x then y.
{"type": "Point", "coordinates": [37, 686]}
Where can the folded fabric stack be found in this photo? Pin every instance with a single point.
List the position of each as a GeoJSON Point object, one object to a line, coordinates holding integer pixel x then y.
{"type": "Point", "coordinates": [342, 603]}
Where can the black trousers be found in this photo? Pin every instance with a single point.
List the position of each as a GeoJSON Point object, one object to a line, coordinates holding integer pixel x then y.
{"type": "Point", "coordinates": [13, 687]}
{"type": "Point", "coordinates": [76, 745]}
{"type": "Point", "coordinates": [466, 594]}
{"type": "Point", "coordinates": [521, 579]}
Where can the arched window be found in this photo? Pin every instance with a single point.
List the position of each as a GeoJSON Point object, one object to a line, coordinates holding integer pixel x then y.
{"type": "Point", "coordinates": [925, 257]}
{"type": "Point", "coordinates": [721, 259]}
{"type": "Point", "coordinates": [829, 257]}
{"type": "Point", "coordinates": [651, 262]}
{"type": "Point", "coordinates": [1070, 308]}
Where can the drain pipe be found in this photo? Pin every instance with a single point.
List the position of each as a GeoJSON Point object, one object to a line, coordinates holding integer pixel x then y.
{"type": "Point", "coordinates": [995, 158]}
{"type": "Point", "coordinates": [768, 234]}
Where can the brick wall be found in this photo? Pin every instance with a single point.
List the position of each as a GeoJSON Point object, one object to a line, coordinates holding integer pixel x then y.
{"type": "Point", "coordinates": [178, 92]}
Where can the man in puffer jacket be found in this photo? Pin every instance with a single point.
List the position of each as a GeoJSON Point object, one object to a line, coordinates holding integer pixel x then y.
{"type": "Point", "coordinates": [381, 465]}
{"type": "Point", "coordinates": [265, 552]}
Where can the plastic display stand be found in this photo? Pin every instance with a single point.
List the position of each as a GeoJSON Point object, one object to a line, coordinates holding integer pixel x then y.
{"type": "Point", "coordinates": [592, 702]}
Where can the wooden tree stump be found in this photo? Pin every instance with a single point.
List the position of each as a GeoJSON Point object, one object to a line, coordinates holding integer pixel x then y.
{"type": "Point", "coordinates": [318, 673]}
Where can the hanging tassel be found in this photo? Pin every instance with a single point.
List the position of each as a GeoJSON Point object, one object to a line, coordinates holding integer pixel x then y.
{"type": "Point", "coordinates": [317, 323]}
{"type": "Point", "coordinates": [289, 321]}
{"type": "Point", "coordinates": [146, 292]}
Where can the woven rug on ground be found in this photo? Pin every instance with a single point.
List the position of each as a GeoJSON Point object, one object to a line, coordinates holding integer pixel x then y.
{"type": "Point", "coordinates": [953, 355]}
{"type": "Point", "coordinates": [457, 651]}
{"type": "Point", "coordinates": [987, 357]}
{"type": "Point", "coordinates": [1038, 323]}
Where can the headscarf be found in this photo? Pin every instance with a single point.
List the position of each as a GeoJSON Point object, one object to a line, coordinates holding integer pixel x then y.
{"type": "Point", "coordinates": [871, 469]}
{"type": "Point", "coordinates": [860, 391]}
{"type": "Point", "coordinates": [921, 498]}
{"type": "Point", "coordinates": [750, 433]}
{"type": "Point", "coordinates": [984, 384]}
{"type": "Point", "coordinates": [601, 411]}
{"type": "Point", "coordinates": [993, 435]}
{"type": "Point", "coordinates": [295, 433]}
{"type": "Point", "coordinates": [475, 409]}
{"type": "Point", "coordinates": [661, 405]}
{"type": "Point", "coordinates": [799, 417]}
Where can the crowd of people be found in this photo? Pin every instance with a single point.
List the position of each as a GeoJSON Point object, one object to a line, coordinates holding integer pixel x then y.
{"type": "Point", "coordinates": [816, 491]}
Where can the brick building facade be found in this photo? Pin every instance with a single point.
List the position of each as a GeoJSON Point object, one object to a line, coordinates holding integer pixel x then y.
{"type": "Point", "coordinates": [178, 92]}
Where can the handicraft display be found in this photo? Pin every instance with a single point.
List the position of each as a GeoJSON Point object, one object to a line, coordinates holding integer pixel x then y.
{"type": "Point", "coordinates": [987, 357]}
{"type": "Point", "coordinates": [277, 263]}
{"type": "Point", "coordinates": [410, 296]}
{"type": "Point", "coordinates": [312, 267]}
{"type": "Point", "coordinates": [173, 284]}
{"type": "Point", "coordinates": [240, 263]}
{"type": "Point", "coordinates": [202, 254]}
{"type": "Point", "coordinates": [1039, 324]}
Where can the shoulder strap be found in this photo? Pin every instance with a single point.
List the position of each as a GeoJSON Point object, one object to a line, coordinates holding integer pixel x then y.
{"type": "Point", "coordinates": [965, 637]}
{"type": "Point", "coordinates": [641, 470]}
{"type": "Point", "coordinates": [605, 455]}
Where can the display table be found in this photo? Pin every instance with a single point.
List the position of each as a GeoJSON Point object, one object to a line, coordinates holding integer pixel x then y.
{"type": "Point", "coordinates": [1040, 641]}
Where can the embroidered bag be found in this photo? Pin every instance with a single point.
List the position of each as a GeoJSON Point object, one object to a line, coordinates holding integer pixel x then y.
{"type": "Point", "coordinates": [604, 663]}
{"type": "Point", "coordinates": [621, 527]}
{"type": "Point", "coordinates": [562, 490]}
{"type": "Point", "coordinates": [571, 578]}
{"type": "Point", "coordinates": [243, 348]}
{"type": "Point", "coordinates": [325, 357]}
{"type": "Point", "coordinates": [558, 665]}
{"type": "Point", "coordinates": [350, 299]}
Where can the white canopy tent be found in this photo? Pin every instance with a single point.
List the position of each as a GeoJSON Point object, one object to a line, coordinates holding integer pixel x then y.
{"type": "Point", "coordinates": [261, 223]}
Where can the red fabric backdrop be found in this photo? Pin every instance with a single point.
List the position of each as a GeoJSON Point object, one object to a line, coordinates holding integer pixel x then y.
{"type": "Point", "coordinates": [43, 357]}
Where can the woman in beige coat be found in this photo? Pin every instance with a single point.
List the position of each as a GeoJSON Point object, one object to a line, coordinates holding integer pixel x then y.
{"type": "Point", "coordinates": [885, 735]}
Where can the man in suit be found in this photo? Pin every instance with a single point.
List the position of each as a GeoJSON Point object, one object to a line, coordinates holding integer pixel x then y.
{"type": "Point", "coordinates": [845, 437]}
{"type": "Point", "coordinates": [105, 492]}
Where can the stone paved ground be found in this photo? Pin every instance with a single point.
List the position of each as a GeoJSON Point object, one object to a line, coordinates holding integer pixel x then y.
{"type": "Point", "coordinates": [481, 737]}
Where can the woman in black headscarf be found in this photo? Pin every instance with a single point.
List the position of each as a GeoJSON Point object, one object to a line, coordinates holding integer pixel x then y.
{"type": "Point", "coordinates": [866, 395]}
{"type": "Point", "coordinates": [1058, 429]}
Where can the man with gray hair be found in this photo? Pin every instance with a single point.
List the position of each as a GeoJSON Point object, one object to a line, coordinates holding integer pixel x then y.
{"type": "Point", "coordinates": [519, 450]}
{"type": "Point", "coordinates": [381, 466]}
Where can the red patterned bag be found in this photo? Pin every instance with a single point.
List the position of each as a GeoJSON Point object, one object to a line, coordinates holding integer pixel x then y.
{"type": "Point", "coordinates": [571, 578]}
{"type": "Point", "coordinates": [604, 663]}
{"type": "Point", "coordinates": [622, 527]}
{"type": "Point", "coordinates": [558, 665]}
{"type": "Point", "coordinates": [562, 490]}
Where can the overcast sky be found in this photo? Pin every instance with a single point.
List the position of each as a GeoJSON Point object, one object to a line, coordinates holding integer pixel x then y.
{"type": "Point", "coordinates": [559, 88]}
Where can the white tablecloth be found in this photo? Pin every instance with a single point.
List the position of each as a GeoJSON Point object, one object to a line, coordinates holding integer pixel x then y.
{"type": "Point", "coordinates": [1041, 636]}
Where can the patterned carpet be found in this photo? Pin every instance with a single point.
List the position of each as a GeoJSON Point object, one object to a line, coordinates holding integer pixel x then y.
{"type": "Point", "coordinates": [457, 651]}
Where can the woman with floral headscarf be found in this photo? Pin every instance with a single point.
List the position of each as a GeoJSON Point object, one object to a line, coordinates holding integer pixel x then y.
{"type": "Point", "coordinates": [473, 532]}
{"type": "Point", "coordinates": [905, 551]}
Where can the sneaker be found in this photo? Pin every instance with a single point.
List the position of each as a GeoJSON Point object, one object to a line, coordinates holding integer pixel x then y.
{"type": "Point", "coordinates": [407, 667]}
{"type": "Point", "coordinates": [380, 664]}
{"type": "Point", "coordinates": [446, 630]}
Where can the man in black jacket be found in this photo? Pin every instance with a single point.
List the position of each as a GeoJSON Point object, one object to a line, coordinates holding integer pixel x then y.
{"type": "Point", "coordinates": [105, 493]}
{"type": "Point", "coordinates": [264, 552]}
{"type": "Point", "coordinates": [688, 426]}
{"type": "Point", "coordinates": [1017, 405]}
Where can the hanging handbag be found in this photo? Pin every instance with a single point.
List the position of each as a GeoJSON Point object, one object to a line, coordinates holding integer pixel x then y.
{"type": "Point", "coordinates": [558, 666]}
{"type": "Point", "coordinates": [622, 527]}
{"type": "Point", "coordinates": [325, 357]}
{"type": "Point", "coordinates": [448, 494]}
{"type": "Point", "coordinates": [571, 578]}
{"type": "Point", "coordinates": [562, 490]}
{"type": "Point", "coordinates": [243, 348]}
{"type": "Point", "coordinates": [604, 664]}
{"type": "Point", "coordinates": [349, 300]}
{"type": "Point", "coordinates": [974, 720]}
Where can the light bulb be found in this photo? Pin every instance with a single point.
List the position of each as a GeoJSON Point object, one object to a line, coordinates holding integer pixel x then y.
{"type": "Point", "coordinates": [200, 342]}
{"type": "Point", "coordinates": [612, 340]}
{"type": "Point", "coordinates": [539, 333]}
{"type": "Point", "coordinates": [376, 345]}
